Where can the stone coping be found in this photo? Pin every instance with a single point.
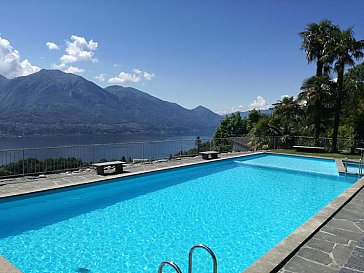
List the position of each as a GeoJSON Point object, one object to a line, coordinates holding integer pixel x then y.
{"type": "Point", "coordinates": [272, 260]}
{"type": "Point", "coordinates": [109, 178]}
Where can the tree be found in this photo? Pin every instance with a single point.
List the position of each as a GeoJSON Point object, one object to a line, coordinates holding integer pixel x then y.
{"type": "Point", "coordinates": [231, 126]}
{"type": "Point", "coordinates": [316, 38]}
{"type": "Point", "coordinates": [316, 95]}
{"type": "Point", "coordinates": [353, 104]}
{"type": "Point", "coordinates": [287, 107]}
{"type": "Point", "coordinates": [343, 48]}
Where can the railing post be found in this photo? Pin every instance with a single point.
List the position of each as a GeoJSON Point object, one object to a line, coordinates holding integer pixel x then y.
{"type": "Point", "coordinates": [180, 153]}
{"type": "Point", "coordinates": [23, 165]}
{"type": "Point", "coordinates": [93, 153]}
{"type": "Point", "coordinates": [143, 151]}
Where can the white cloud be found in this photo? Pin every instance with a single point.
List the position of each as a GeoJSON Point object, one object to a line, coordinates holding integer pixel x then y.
{"type": "Point", "coordinates": [259, 104]}
{"type": "Point", "coordinates": [135, 76]}
{"type": "Point", "coordinates": [74, 69]}
{"type": "Point", "coordinates": [100, 77]}
{"type": "Point", "coordinates": [148, 76]}
{"type": "Point", "coordinates": [59, 66]}
{"type": "Point", "coordinates": [10, 64]}
{"type": "Point", "coordinates": [78, 49]}
{"type": "Point", "coordinates": [51, 46]}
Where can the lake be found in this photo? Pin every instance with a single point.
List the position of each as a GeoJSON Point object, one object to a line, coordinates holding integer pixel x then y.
{"type": "Point", "coordinates": [107, 147]}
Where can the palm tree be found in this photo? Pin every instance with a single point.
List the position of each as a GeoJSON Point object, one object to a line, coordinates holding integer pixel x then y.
{"type": "Point", "coordinates": [343, 48]}
{"type": "Point", "coordinates": [315, 40]}
{"type": "Point", "coordinates": [287, 107]}
{"type": "Point", "coordinates": [316, 96]}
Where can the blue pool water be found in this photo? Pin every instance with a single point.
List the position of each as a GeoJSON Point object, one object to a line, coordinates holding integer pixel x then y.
{"type": "Point", "coordinates": [297, 163]}
{"type": "Point", "coordinates": [132, 225]}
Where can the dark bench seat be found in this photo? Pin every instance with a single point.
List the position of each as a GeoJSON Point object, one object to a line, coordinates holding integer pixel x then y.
{"type": "Point", "coordinates": [100, 166]}
{"type": "Point", "coordinates": [209, 154]}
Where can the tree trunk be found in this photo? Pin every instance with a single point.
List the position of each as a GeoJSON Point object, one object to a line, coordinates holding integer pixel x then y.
{"type": "Point", "coordinates": [339, 90]}
{"type": "Point", "coordinates": [319, 67]}
{"type": "Point", "coordinates": [317, 125]}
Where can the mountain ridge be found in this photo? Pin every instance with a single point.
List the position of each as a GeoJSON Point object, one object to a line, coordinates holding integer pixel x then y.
{"type": "Point", "coordinates": [52, 102]}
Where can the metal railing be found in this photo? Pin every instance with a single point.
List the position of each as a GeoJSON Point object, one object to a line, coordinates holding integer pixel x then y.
{"type": "Point", "coordinates": [34, 161]}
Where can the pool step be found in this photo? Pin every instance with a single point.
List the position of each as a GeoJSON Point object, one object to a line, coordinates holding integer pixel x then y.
{"type": "Point", "coordinates": [178, 270]}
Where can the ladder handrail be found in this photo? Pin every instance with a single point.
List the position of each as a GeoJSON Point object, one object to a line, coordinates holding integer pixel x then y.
{"type": "Point", "coordinates": [170, 263]}
{"type": "Point", "coordinates": [208, 250]}
{"type": "Point", "coordinates": [361, 166]}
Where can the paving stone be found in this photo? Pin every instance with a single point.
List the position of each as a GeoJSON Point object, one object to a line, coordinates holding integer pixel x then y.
{"type": "Point", "coordinates": [349, 215]}
{"type": "Point", "coordinates": [330, 237]}
{"type": "Point", "coordinates": [361, 242]}
{"type": "Point", "coordinates": [343, 224]}
{"type": "Point", "coordinates": [347, 270]}
{"type": "Point", "coordinates": [300, 265]}
{"type": "Point", "coordinates": [360, 224]}
{"type": "Point", "coordinates": [314, 255]}
{"type": "Point", "coordinates": [355, 206]}
{"type": "Point", "coordinates": [349, 235]}
{"type": "Point", "coordinates": [356, 260]}
{"type": "Point", "coordinates": [341, 254]}
{"type": "Point", "coordinates": [320, 245]}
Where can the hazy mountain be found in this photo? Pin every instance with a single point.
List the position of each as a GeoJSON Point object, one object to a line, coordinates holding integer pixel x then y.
{"type": "Point", "coordinates": [151, 110]}
{"type": "Point", "coordinates": [3, 81]}
{"type": "Point", "coordinates": [264, 112]}
{"type": "Point", "coordinates": [206, 114]}
{"type": "Point", "coordinates": [54, 102]}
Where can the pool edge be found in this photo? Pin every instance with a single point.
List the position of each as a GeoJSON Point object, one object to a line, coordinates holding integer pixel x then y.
{"type": "Point", "coordinates": [273, 260]}
{"type": "Point", "coordinates": [109, 178]}
{"type": "Point", "coordinates": [7, 267]}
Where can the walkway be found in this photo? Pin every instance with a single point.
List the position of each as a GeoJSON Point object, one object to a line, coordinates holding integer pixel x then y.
{"type": "Point", "coordinates": [338, 247]}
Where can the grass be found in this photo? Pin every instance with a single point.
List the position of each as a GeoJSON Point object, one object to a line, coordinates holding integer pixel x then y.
{"type": "Point", "coordinates": [330, 155]}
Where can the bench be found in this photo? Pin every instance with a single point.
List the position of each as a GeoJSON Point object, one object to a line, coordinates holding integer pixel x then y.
{"type": "Point", "coordinates": [100, 166]}
{"type": "Point", "coordinates": [309, 149]}
{"type": "Point", "coordinates": [209, 154]}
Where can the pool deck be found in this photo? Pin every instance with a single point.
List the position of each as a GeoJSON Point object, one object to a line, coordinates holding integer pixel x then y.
{"type": "Point", "coordinates": [332, 241]}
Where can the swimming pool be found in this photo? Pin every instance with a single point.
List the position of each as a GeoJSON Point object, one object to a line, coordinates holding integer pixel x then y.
{"type": "Point", "coordinates": [238, 207]}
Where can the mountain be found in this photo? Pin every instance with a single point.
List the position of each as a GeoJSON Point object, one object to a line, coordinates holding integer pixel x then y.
{"type": "Point", "coordinates": [3, 81]}
{"type": "Point", "coordinates": [54, 102]}
{"type": "Point", "coordinates": [151, 110]}
{"type": "Point", "coordinates": [206, 115]}
{"type": "Point", "coordinates": [266, 112]}
{"type": "Point", "coordinates": [245, 114]}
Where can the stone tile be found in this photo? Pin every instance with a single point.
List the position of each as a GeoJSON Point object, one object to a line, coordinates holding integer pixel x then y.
{"type": "Point", "coordinates": [356, 260]}
{"type": "Point", "coordinates": [300, 265]}
{"type": "Point", "coordinates": [360, 224]}
{"type": "Point", "coordinates": [348, 215]}
{"type": "Point", "coordinates": [341, 254]}
{"type": "Point", "coordinates": [314, 255]}
{"type": "Point", "coordinates": [320, 245]}
{"type": "Point", "coordinates": [343, 224]}
{"type": "Point", "coordinates": [345, 234]}
{"type": "Point", "coordinates": [361, 242]}
{"type": "Point", "coordinates": [355, 206]}
{"type": "Point", "coordinates": [347, 270]}
{"type": "Point", "coordinates": [330, 238]}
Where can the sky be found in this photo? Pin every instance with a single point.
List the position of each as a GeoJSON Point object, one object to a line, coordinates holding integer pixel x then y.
{"type": "Point", "coordinates": [225, 55]}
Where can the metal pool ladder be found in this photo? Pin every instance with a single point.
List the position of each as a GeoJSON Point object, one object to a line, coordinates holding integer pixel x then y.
{"type": "Point", "coordinates": [178, 270]}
